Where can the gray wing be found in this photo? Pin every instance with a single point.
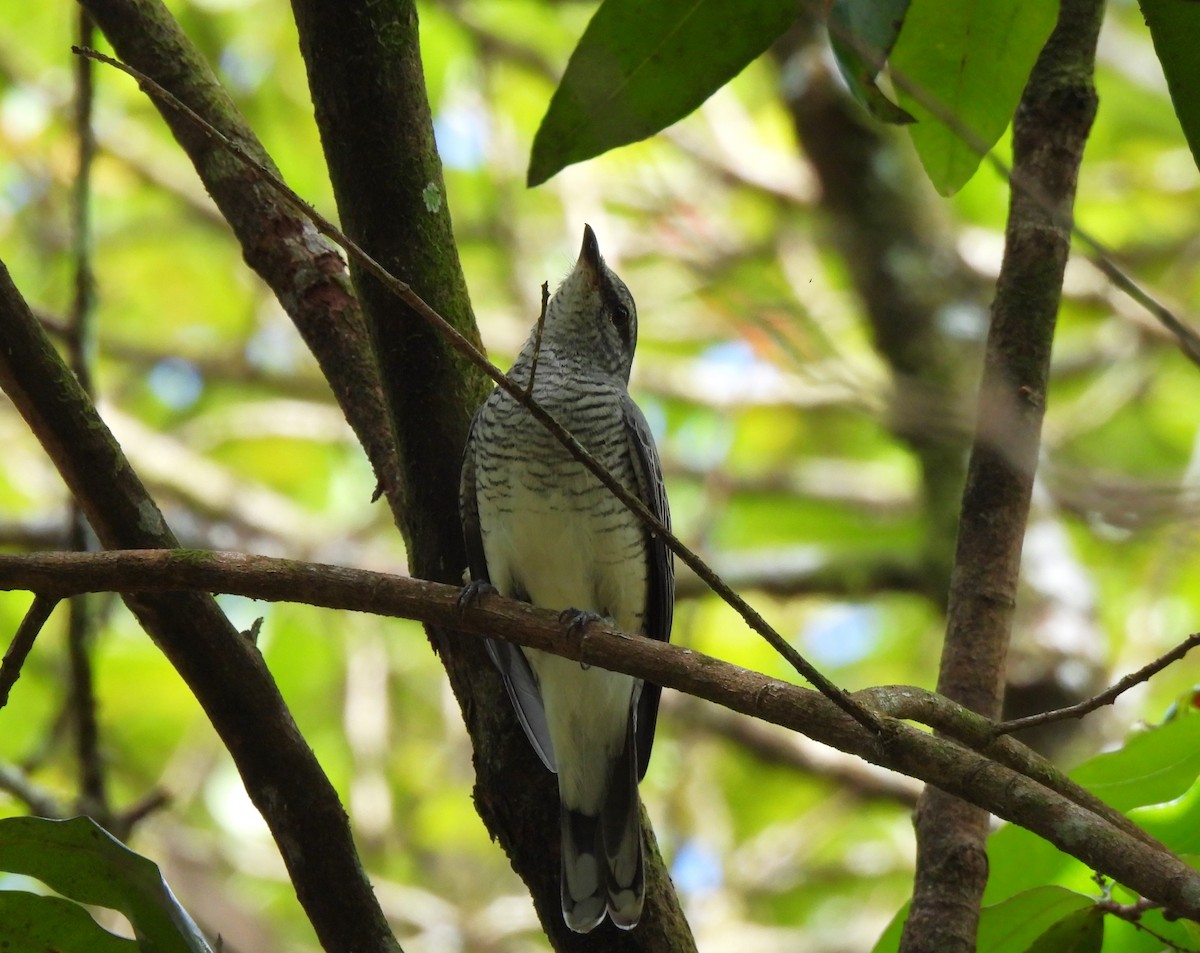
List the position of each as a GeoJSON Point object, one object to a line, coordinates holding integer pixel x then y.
{"type": "Point", "coordinates": [660, 566]}
{"type": "Point", "coordinates": [509, 659]}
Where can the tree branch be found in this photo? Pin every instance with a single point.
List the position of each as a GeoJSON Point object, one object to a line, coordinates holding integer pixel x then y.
{"type": "Point", "coordinates": [22, 643]}
{"type": "Point", "coordinates": [304, 271]}
{"type": "Point", "coordinates": [1049, 133]}
{"type": "Point", "coordinates": [1094, 834]}
{"type": "Point", "coordinates": [223, 670]}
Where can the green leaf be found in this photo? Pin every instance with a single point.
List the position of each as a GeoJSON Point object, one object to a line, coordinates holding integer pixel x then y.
{"type": "Point", "coordinates": [1017, 923]}
{"type": "Point", "coordinates": [37, 924]}
{"type": "Point", "coordinates": [862, 33]}
{"type": "Point", "coordinates": [641, 66]}
{"type": "Point", "coordinates": [1175, 29]}
{"type": "Point", "coordinates": [1154, 765]}
{"type": "Point", "coordinates": [970, 61]}
{"type": "Point", "coordinates": [1080, 932]}
{"type": "Point", "coordinates": [82, 861]}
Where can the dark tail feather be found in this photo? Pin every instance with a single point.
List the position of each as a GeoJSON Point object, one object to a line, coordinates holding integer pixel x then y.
{"type": "Point", "coordinates": [583, 892]}
{"type": "Point", "coordinates": [621, 835]}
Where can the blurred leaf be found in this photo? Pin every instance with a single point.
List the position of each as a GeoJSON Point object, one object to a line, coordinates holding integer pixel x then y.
{"type": "Point", "coordinates": [871, 27]}
{"type": "Point", "coordinates": [1080, 932]}
{"type": "Point", "coordinates": [641, 66]}
{"type": "Point", "coordinates": [971, 60]}
{"type": "Point", "coordinates": [37, 924]}
{"type": "Point", "coordinates": [82, 861]}
{"type": "Point", "coordinates": [1175, 28]}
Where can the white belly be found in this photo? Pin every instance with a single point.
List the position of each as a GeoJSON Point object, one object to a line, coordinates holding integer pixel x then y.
{"type": "Point", "coordinates": [572, 548]}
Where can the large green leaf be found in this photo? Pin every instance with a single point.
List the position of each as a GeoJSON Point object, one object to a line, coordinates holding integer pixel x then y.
{"type": "Point", "coordinates": [1175, 29]}
{"type": "Point", "coordinates": [641, 66]}
{"type": "Point", "coordinates": [969, 61]}
{"type": "Point", "coordinates": [36, 924]}
{"type": "Point", "coordinates": [82, 861]}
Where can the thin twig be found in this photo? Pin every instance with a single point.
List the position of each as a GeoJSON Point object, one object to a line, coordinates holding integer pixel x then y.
{"type": "Point", "coordinates": [1106, 697]}
{"type": "Point", "coordinates": [81, 622]}
{"type": "Point", "coordinates": [460, 343]}
{"type": "Point", "coordinates": [1131, 913]}
{"type": "Point", "coordinates": [22, 643]}
{"type": "Point", "coordinates": [537, 338]}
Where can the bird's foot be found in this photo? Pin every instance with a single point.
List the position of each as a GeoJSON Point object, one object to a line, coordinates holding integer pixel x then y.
{"type": "Point", "coordinates": [473, 591]}
{"type": "Point", "coordinates": [579, 619]}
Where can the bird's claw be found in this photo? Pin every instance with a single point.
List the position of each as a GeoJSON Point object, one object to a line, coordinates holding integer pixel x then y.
{"type": "Point", "coordinates": [579, 619]}
{"type": "Point", "coordinates": [473, 591]}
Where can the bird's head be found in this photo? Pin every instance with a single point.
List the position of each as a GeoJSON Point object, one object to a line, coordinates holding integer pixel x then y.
{"type": "Point", "coordinates": [592, 314]}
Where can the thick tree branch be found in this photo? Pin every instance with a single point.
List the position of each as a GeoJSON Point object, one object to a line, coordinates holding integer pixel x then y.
{"type": "Point", "coordinates": [223, 670]}
{"type": "Point", "coordinates": [1049, 133]}
{"type": "Point", "coordinates": [1095, 835]}
{"type": "Point", "coordinates": [304, 271]}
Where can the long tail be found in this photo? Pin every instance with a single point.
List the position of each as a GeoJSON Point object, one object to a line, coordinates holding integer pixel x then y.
{"type": "Point", "coordinates": [602, 866]}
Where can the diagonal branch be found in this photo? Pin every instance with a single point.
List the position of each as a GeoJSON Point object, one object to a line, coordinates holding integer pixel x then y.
{"type": "Point", "coordinates": [1106, 697]}
{"type": "Point", "coordinates": [223, 670]}
{"type": "Point", "coordinates": [22, 643]}
{"type": "Point", "coordinates": [305, 272]}
{"type": "Point", "coordinates": [1089, 830]}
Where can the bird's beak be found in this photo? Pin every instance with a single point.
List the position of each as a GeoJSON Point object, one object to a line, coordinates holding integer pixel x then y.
{"type": "Point", "coordinates": [589, 254]}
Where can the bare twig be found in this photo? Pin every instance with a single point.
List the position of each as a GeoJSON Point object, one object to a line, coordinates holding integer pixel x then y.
{"type": "Point", "coordinates": [1106, 697]}
{"type": "Point", "coordinates": [537, 339]}
{"type": "Point", "coordinates": [461, 344]}
{"type": "Point", "coordinates": [22, 643]}
{"type": "Point", "coordinates": [1132, 913]}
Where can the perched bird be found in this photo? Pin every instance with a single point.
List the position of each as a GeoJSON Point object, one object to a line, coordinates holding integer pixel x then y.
{"type": "Point", "coordinates": [539, 527]}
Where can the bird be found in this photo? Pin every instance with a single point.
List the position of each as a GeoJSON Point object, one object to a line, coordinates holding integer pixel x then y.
{"type": "Point", "coordinates": [541, 528]}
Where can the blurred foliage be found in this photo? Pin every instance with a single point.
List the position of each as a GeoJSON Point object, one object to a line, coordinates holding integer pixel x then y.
{"type": "Point", "coordinates": [773, 410]}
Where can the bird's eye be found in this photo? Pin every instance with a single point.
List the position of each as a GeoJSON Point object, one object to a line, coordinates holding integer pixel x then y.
{"type": "Point", "coordinates": [620, 316]}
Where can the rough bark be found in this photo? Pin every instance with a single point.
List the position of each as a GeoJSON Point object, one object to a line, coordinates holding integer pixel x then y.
{"type": "Point", "coordinates": [1049, 134]}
